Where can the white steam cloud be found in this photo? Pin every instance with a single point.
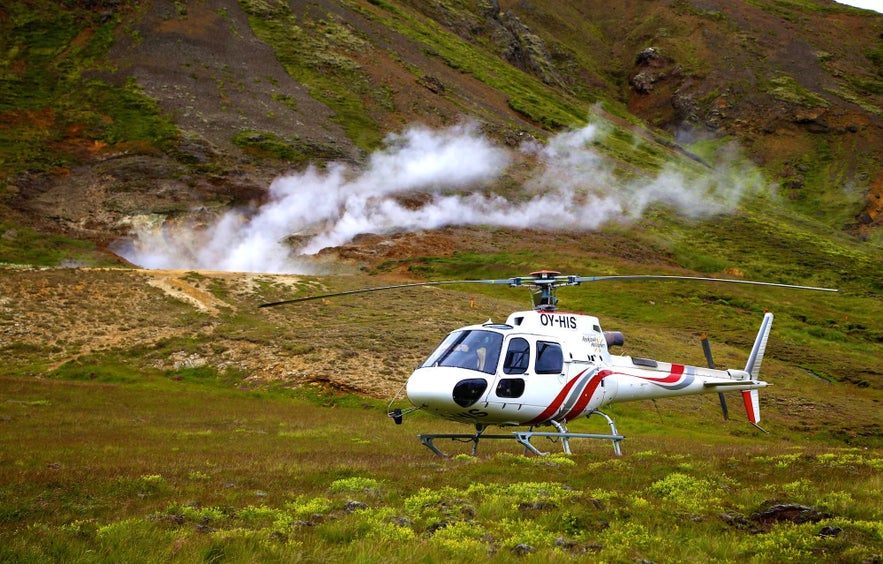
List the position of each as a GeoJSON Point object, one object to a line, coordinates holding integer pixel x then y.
{"type": "Point", "coordinates": [571, 187]}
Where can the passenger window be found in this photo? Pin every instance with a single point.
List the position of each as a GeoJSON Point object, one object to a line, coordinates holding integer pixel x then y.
{"type": "Point", "coordinates": [550, 359]}
{"type": "Point", "coordinates": [517, 357]}
{"type": "Point", "coordinates": [510, 388]}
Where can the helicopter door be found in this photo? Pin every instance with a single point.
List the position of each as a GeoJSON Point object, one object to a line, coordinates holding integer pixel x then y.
{"type": "Point", "coordinates": [515, 364]}
{"type": "Point", "coordinates": [545, 376]}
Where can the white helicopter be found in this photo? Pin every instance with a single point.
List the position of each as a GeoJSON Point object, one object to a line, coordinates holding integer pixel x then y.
{"type": "Point", "coordinates": [546, 367]}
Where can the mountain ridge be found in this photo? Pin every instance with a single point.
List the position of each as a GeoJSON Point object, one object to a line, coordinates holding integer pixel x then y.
{"type": "Point", "coordinates": [199, 105]}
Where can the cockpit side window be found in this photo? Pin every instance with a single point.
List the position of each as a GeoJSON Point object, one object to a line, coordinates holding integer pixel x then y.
{"type": "Point", "coordinates": [473, 349]}
{"type": "Point", "coordinates": [550, 358]}
{"type": "Point", "coordinates": [517, 356]}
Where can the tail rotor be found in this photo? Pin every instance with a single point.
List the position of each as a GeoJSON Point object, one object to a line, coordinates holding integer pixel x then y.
{"type": "Point", "coordinates": [706, 348]}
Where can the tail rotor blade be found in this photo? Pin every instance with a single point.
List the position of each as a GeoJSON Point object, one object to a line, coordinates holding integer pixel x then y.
{"type": "Point", "coordinates": [706, 348]}
{"type": "Point", "coordinates": [724, 406]}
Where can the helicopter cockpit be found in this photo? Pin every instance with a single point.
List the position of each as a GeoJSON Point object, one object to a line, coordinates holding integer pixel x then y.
{"type": "Point", "coordinates": [473, 349]}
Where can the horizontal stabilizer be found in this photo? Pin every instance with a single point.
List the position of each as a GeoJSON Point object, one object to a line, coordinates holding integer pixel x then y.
{"type": "Point", "coordinates": [735, 383]}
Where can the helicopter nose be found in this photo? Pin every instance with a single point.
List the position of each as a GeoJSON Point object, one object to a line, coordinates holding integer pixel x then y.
{"type": "Point", "coordinates": [423, 390]}
{"type": "Point", "coordinates": [444, 388]}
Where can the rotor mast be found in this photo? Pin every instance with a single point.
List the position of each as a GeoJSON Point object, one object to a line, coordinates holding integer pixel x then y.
{"type": "Point", "coordinates": [543, 284]}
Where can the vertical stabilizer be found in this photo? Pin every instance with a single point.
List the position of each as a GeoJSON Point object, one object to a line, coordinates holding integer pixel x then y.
{"type": "Point", "coordinates": [752, 405]}
{"type": "Point", "coordinates": [752, 397]}
{"type": "Point", "coordinates": [753, 365]}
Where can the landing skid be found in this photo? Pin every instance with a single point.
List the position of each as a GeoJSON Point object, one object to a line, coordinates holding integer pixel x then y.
{"type": "Point", "coordinates": [524, 437]}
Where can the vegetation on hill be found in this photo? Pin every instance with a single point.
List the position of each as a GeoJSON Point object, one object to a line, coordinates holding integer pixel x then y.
{"type": "Point", "coordinates": [217, 97]}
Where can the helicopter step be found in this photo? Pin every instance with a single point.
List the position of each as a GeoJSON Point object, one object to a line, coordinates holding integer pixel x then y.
{"type": "Point", "coordinates": [524, 437]}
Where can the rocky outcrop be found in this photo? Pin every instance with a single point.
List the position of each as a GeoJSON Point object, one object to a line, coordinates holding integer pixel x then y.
{"type": "Point", "coordinates": [523, 49]}
{"type": "Point", "coordinates": [653, 67]}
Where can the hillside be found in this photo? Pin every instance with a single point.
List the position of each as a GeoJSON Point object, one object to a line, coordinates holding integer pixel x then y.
{"type": "Point", "coordinates": [448, 139]}
{"type": "Point", "coordinates": [115, 112]}
{"type": "Point", "coordinates": [166, 167]}
{"type": "Point", "coordinates": [717, 137]}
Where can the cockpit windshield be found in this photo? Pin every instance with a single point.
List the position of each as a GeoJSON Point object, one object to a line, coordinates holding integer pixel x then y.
{"type": "Point", "coordinates": [473, 349]}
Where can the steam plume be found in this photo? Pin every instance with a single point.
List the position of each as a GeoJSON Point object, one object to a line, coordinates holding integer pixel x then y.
{"type": "Point", "coordinates": [572, 186]}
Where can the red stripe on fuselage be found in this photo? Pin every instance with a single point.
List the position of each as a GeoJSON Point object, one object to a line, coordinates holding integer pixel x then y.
{"type": "Point", "coordinates": [677, 370]}
{"type": "Point", "coordinates": [556, 403]}
{"type": "Point", "coordinates": [587, 394]}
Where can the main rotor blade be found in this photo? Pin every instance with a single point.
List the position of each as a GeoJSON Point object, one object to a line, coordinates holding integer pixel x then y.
{"type": "Point", "coordinates": [581, 279]}
{"type": "Point", "coordinates": [542, 279]}
{"type": "Point", "coordinates": [394, 287]}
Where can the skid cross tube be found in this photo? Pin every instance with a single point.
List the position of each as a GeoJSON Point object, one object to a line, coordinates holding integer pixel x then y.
{"type": "Point", "coordinates": [524, 437]}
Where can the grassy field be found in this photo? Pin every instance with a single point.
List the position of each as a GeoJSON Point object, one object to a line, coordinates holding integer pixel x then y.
{"type": "Point", "coordinates": [188, 469]}
{"type": "Point", "coordinates": [135, 426]}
